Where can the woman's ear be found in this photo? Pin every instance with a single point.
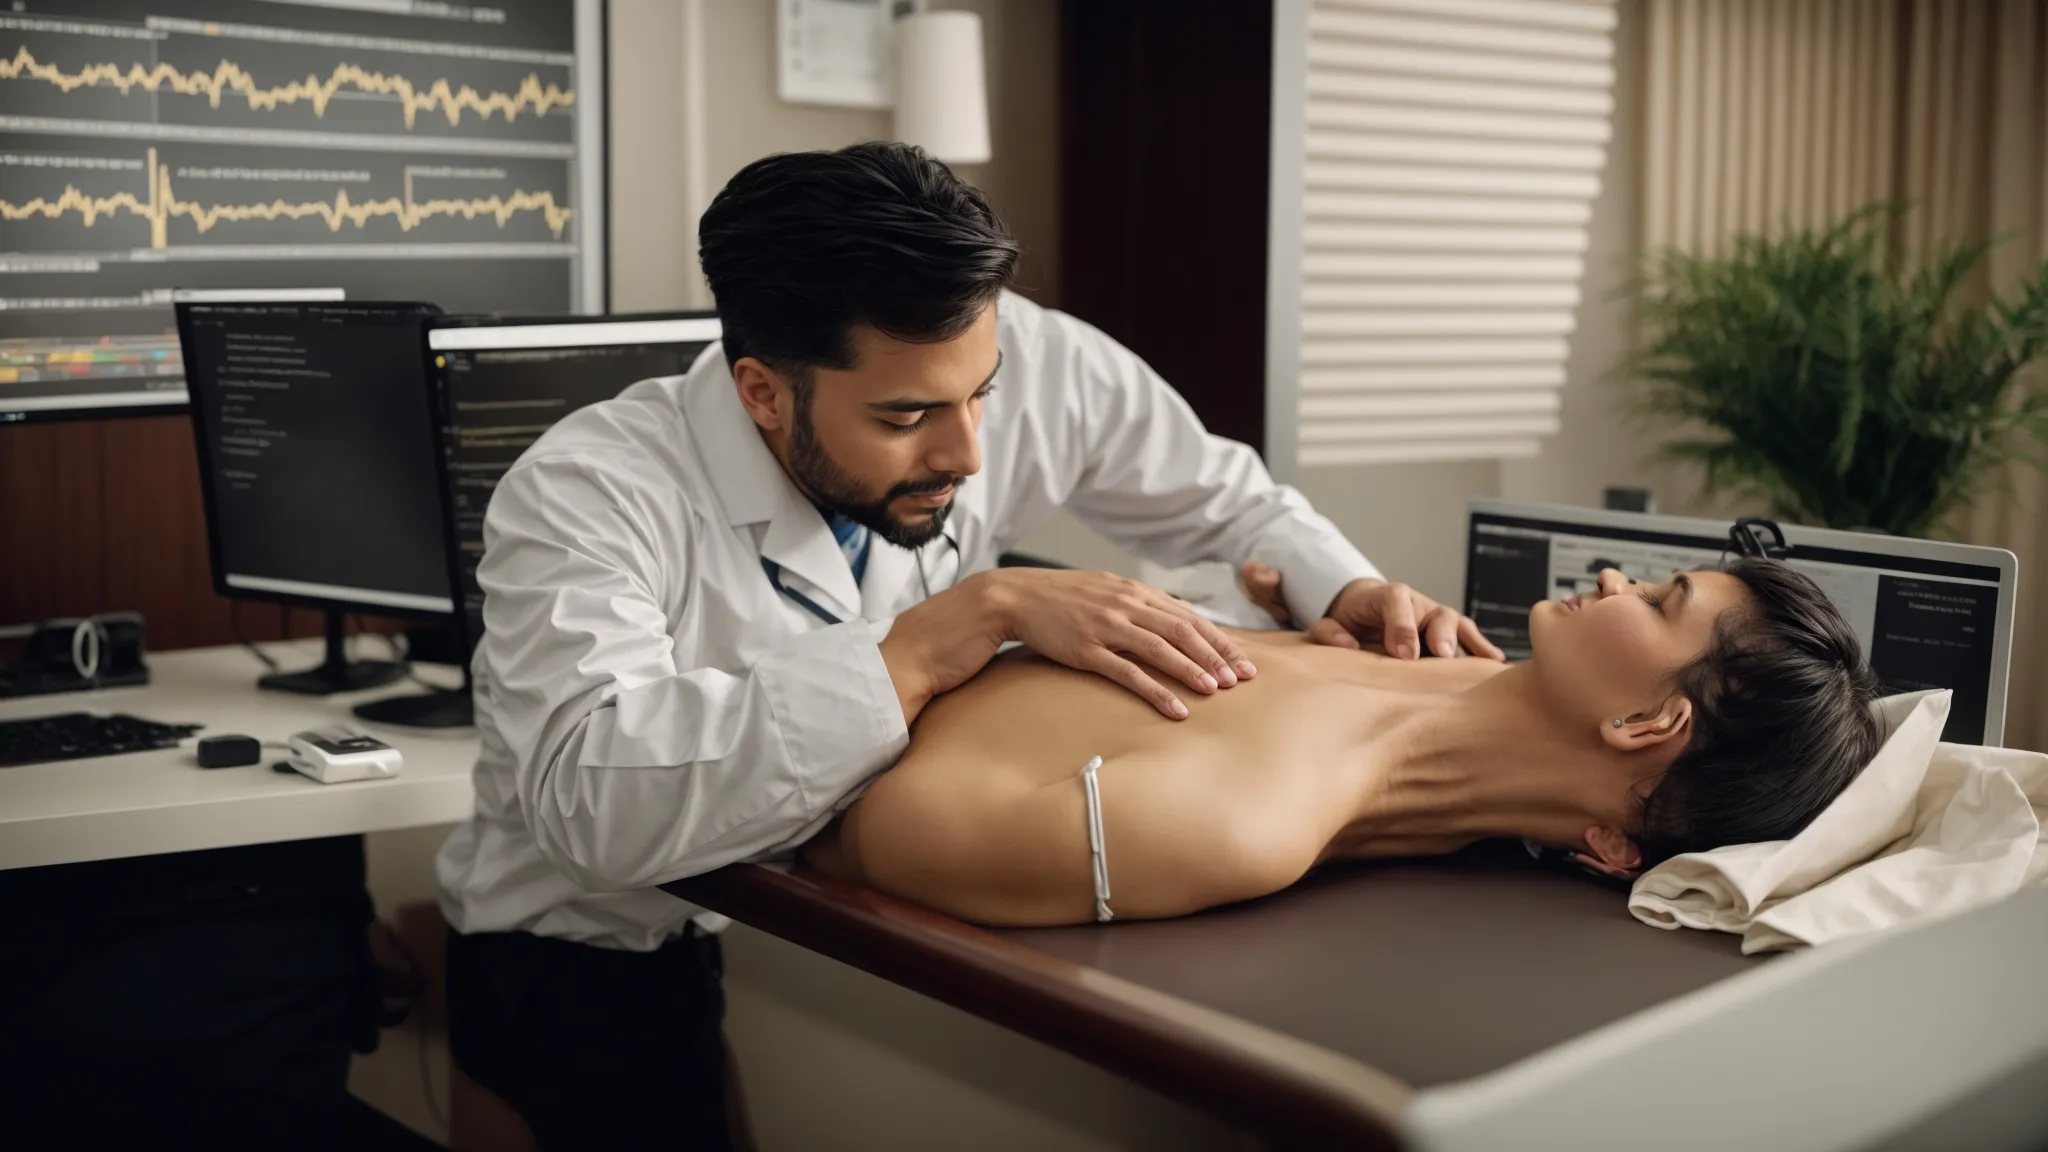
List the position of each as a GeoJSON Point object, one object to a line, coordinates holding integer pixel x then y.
{"type": "Point", "coordinates": [1611, 852]}
{"type": "Point", "coordinates": [1671, 720]}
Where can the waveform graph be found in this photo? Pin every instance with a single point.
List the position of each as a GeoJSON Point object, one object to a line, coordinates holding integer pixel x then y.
{"type": "Point", "coordinates": [392, 150]}
{"type": "Point", "coordinates": [227, 77]}
{"type": "Point", "coordinates": [67, 202]}
{"type": "Point", "coordinates": [49, 68]}
{"type": "Point", "coordinates": [178, 201]}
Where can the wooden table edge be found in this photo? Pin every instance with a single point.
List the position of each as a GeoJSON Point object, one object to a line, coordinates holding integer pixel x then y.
{"type": "Point", "coordinates": [1240, 1072]}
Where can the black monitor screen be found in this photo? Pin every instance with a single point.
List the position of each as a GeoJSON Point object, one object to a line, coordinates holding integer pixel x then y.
{"type": "Point", "coordinates": [1923, 623]}
{"type": "Point", "coordinates": [502, 386]}
{"type": "Point", "coordinates": [315, 427]}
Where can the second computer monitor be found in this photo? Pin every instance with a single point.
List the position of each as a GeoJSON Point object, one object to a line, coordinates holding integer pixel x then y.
{"type": "Point", "coordinates": [316, 450]}
{"type": "Point", "coordinates": [314, 427]}
{"type": "Point", "coordinates": [504, 382]}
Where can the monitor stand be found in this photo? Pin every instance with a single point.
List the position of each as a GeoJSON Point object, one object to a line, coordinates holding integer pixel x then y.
{"type": "Point", "coordinates": [336, 673]}
{"type": "Point", "coordinates": [442, 708]}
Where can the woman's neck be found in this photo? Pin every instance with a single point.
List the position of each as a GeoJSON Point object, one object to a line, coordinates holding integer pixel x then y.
{"type": "Point", "coordinates": [1442, 772]}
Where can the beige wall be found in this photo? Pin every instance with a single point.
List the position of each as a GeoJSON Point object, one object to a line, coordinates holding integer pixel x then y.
{"type": "Point", "coordinates": [1597, 446]}
{"type": "Point", "coordinates": [653, 232]}
{"type": "Point", "coordinates": [678, 133]}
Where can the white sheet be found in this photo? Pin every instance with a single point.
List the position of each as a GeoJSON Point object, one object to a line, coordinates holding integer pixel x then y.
{"type": "Point", "coordinates": [1927, 830]}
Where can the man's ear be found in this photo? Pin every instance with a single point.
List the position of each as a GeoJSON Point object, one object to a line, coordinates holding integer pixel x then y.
{"type": "Point", "coordinates": [1672, 720]}
{"type": "Point", "coordinates": [767, 399]}
{"type": "Point", "coordinates": [1611, 853]}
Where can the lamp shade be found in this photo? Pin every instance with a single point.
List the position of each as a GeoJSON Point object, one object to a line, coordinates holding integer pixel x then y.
{"type": "Point", "coordinates": [941, 100]}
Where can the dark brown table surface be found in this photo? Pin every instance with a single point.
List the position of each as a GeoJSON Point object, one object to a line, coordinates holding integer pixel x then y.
{"type": "Point", "coordinates": [1307, 1015]}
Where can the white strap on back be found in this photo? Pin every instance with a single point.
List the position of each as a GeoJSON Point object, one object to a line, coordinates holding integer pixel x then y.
{"type": "Point", "coordinates": [1102, 912]}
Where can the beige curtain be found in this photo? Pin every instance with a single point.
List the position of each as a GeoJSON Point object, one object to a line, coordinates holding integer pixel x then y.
{"type": "Point", "coordinates": [1761, 113]}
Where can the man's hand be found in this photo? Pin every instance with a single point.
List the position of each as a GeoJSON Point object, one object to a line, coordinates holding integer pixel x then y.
{"type": "Point", "coordinates": [1377, 615]}
{"type": "Point", "coordinates": [1093, 621]}
{"type": "Point", "coordinates": [1099, 622]}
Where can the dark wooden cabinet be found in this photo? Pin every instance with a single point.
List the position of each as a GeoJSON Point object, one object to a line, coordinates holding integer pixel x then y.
{"type": "Point", "coordinates": [1163, 191]}
{"type": "Point", "coordinates": [105, 515]}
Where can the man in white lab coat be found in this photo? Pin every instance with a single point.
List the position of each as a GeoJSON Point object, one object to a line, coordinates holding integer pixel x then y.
{"type": "Point", "coordinates": [715, 604]}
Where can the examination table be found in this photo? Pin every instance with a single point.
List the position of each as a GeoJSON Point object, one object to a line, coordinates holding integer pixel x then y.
{"type": "Point", "coordinates": [1480, 1001]}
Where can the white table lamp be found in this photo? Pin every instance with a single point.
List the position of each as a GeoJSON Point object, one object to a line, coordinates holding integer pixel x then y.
{"type": "Point", "coordinates": [941, 98]}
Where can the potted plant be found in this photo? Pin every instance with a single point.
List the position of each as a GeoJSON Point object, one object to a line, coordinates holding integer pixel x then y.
{"type": "Point", "coordinates": [1820, 375]}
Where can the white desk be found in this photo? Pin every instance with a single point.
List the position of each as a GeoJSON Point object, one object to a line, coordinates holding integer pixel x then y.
{"type": "Point", "coordinates": [145, 803]}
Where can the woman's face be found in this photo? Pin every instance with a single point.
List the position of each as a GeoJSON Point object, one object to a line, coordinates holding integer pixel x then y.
{"type": "Point", "coordinates": [1607, 654]}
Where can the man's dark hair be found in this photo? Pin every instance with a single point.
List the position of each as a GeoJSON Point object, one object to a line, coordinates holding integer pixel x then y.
{"type": "Point", "coordinates": [802, 248]}
{"type": "Point", "coordinates": [1782, 720]}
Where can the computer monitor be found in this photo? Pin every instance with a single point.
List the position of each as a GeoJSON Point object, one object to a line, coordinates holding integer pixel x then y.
{"type": "Point", "coordinates": [315, 433]}
{"type": "Point", "coordinates": [1929, 614]}
{"type": "Point", "coordinates": [499, 383]}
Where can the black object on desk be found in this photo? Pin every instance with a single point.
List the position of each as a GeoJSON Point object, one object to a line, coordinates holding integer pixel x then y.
{"type": "Point", "coordinates": [104, 651]}
{"type": "Point", "coordinates": [81, 735]}
{"type": "Point", "coordinates": [229, 751]}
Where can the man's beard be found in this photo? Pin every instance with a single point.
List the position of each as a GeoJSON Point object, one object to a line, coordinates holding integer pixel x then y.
{"type": "Point", "coordinates": [838, 493]}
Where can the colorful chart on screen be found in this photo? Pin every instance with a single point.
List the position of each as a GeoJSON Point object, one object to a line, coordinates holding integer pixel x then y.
{"type": "Point", "coordinates": [393, 149]}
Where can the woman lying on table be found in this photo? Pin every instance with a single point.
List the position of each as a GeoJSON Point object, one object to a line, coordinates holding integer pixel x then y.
{"type": "Point", "coordinates": [1718, 707]}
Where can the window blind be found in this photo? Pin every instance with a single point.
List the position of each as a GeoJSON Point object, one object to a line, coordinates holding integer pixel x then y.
{"type": "Point", "coordinates": [1435, 164]}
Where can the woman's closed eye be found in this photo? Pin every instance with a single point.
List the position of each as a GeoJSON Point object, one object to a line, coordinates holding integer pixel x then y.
{"type": "Point", "coordinates": [1655, 597]}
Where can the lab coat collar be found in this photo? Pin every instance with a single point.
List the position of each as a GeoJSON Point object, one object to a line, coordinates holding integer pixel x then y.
{"type": "Point", "coordinates": [752, 487]}
{"type": "Point", "coordinates": [799, 542]}
{"type": "Point", "coordinates": [748, 478]}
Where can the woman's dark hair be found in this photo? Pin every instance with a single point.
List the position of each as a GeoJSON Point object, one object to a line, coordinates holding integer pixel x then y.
{"type": "Point", "coordinates": [1782, 720]}
{"type": "Point", "coordinates": [801, 248]}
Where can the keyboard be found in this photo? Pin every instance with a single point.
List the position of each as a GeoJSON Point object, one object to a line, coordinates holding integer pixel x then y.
{"type": "Point", "coordinates": [80, 735]}
{"type": "Point", "coordinates": [32, 681]}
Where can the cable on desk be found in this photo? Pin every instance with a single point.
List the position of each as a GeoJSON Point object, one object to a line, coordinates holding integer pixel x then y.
{"type": "Point", "coordinates": [401, 654]}
{"type": "Point", "coordinates": [235, 628]}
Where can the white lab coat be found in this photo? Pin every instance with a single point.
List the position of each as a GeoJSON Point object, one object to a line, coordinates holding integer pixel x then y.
{"type": "Point", "coordinates": [651, 707]}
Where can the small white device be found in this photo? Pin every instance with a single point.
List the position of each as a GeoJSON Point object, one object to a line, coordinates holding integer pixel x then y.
{"type": "Point", "coordinates": [340, 754]}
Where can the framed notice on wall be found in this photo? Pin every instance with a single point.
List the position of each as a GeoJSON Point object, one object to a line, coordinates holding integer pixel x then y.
{"type": "Point", "coordinates": [835, 51]}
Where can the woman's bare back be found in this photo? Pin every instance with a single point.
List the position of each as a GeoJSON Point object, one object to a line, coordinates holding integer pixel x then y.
{"type": "Point", "coordinates": [985, 816]}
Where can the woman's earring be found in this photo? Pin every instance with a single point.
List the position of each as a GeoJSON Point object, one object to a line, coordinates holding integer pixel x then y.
{"type": "Point", "coordinates": [1617, 721]}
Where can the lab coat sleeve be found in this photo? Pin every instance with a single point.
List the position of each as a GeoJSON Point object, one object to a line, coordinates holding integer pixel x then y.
{"type": "Point", "coordinates": [633, 766]}
{"type": "Point", "coordinates": [1157, 482]}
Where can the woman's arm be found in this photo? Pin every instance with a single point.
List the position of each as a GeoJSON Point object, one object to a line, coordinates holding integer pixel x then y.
{"type": "Point", "coordinates": [1176, 841]}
